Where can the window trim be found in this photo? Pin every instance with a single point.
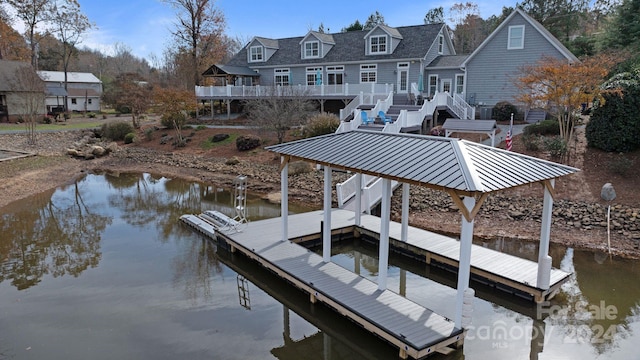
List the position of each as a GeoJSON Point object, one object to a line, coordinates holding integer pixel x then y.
{"type": "Point", "coordinates": [429, 85]}
{"type": "Point", "coordinates": [510, 38]}
{"type": "Point", "coordinates": [456, 85]}
{"type": "Point", "coordinates": [440, 44]}
{"type": "Point", "coordinates": [317, 49]}
{"type": "Point", "coordinates": [369, 69]}
{"type": "Point", "coordinates": [281, 72]}
{"type": "Point", "coordinates": [378, 45]}
{"type": "Point", "coordinates": [259, 56]}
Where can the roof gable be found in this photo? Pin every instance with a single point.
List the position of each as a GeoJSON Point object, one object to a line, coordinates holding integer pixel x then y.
{"type": "Point", "coordinates": [536, 26]}
{"type": "Point", "coordinates": [9, 75]}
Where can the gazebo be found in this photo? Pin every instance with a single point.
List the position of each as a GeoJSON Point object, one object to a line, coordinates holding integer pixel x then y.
{"type": "Point", "coordinates": [469, 172]}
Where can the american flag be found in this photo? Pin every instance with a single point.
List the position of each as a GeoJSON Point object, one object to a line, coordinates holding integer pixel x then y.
{"type": "Point", "coordinates": [507, 140]}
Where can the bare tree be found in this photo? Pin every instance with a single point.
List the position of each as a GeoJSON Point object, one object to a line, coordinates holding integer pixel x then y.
{"type": "Point", "coordinates": [279, 109]}
{"type": "Point", "coordinates": [31, 89]}
{"type": "Point", "coordinates": [32, 13]}
{"type": "Point", "coordinates": [69, 24]}
{"type": "Point", "coordinates": [198, 30]}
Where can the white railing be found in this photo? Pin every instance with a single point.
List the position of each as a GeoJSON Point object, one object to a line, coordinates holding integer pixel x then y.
{"type": "Point", "coordinates": [372, 90]}
{"type": "Point", "coordinates": [468, 110]}
{"type": "Point", "coordinates": [351, 107]}
{"type": "Point", "coordinates": [350, 187]}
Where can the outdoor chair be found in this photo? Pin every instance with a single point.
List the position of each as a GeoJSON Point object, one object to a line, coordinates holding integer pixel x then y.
{"type": "Point", "coordinates": [365, 118]}
{"type": "Point", "coordinates": [384, 117]}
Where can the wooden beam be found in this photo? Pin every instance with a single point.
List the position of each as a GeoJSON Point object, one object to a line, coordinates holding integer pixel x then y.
{"type": "Point", "coordinates": [468, 215]}
{"type": "Point", "coordinates": [285, 160]}
{"type": "Point", "coordinates": [547, 185]}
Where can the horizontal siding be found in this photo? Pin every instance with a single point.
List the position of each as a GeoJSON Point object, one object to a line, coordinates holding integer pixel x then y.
{"type": "Point", "coordinates": [491, 72]}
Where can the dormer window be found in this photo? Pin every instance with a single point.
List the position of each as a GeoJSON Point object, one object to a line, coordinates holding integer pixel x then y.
{"type": "Point", "coordinates": [378, 45]}
{"type": "Point", "coordinates": [516, 37]}
{"type": "Point", "coordinates": [256, 54]}
{"type": "Point", "coordinates": [311, 49]}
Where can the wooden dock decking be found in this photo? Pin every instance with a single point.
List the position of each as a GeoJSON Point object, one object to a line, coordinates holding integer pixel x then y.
{"type": "Point", "coordinates": [414, 329]}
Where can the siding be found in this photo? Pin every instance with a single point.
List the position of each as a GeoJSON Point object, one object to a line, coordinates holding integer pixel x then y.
{"type": "Point", "coordinates": [491, 72]}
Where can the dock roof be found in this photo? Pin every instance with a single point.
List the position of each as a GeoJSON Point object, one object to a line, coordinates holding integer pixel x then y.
{"type": "Point", "coordinates": [443, 163]}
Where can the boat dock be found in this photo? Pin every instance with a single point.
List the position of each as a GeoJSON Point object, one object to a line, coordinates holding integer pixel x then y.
{"type": "Point", "coordinates": [413, 328]}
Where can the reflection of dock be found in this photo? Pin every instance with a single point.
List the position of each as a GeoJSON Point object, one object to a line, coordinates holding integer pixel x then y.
{"type": "Point", "coordinates": [414, 329]}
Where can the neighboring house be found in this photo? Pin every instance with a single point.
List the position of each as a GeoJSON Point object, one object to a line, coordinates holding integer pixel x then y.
{"type": "Point", "coordinates": [21, 91]}
{"type": "Point", "coordinates": [83, 91]}
{"type": "Point", "coordinates": [415, 61]}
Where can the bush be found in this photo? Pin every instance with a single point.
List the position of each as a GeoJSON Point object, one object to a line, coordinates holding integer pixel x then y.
{"type": "Point", "coordinates": [129, 138]}
{"type": "Point", "coordinates": [502, 111]}
{"type": "Point", "coordinates": [170, 120]}
{"type": "Point", "coordinates": [556, 146]}
{"type": "Point", "coordinates": [148, 134]}
{"type": "Point", "coordinates": [544, 128]}
{"type": "Point", "coordinates": [300, 167]}
{"type": "Point", "coordinates": [531, 142]}
{"type": "Point", "coordinates": [620, 165]}
{"type": "Point", "coordinates": [247, 142]}
{"type": "Point", "coordinates": [321, 124]}
{"type": "Point", "coordinates": [116, 130]}
{"type": "Point", "coordinates": [91, 115]}
{"type": "Point", "coordinates": [200, 127]}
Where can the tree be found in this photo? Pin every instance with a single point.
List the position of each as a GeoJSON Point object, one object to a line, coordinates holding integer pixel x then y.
{"type": "Point", "coordinates": [624, 30]}
{"type": "Point", "coordinates": [562, 87]}
{"type": "Point", "coordinates": [12, 44]}
{"type": "Point", "coordinates": [468, 26]}
{"type": "Point", "coordinates": [434, 16]}
{"type": "Point", "coordinates": [132, 92]}
{"type": "Point", "coordinates": [31, 89]}
{"type": "Point", "coordinates": [32, 13]}
{"type": "Point", "coordinates": [279, 109]}
{"type": "Point", "coordinates": [198, 30]}
{"type": "Point", "coordinates": [562, 18]}
{"type": "Point", "coordinates": [69, 24]}
{"type": "Point", "coordinates": [373, 20]}
{"type": "Point", "coordinates": [355, 26]}
{"type": "Point", "coordinates": [174, 105]}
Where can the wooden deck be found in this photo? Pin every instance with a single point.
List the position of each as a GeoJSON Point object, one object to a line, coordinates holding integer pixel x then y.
{"type": "Point", "coordinates": [414, 329]}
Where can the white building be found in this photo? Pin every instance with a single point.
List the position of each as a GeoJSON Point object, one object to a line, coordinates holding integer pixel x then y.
{"type": "Point", "coordinates": [83, 90]}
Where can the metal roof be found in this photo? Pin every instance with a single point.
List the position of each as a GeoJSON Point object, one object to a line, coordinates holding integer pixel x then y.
{"type": "Point", "coordinates": [224, 70]}
{"type": "Point", "coordinates": [72, 77]}
{"type": "Point", "coordinates": [55, 90]}
{"type": "Point", "coordinates": [437, 162]}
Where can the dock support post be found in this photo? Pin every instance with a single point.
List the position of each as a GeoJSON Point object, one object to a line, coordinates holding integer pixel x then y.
{"type": "Point", "coordinates": [284, 199]}
{"type": "Point", "coordinates": [464, 269]}
{"type": "Point", "coordinates": [385, 215]}
{"type": "Point", "coordinates": [359, 199]}
{"type": "Point", "coordinates": [405, 213]}
{"type": "Point", "coordinates": [326, 232]}
{"type": "Point", "coordinates": [544, 264]}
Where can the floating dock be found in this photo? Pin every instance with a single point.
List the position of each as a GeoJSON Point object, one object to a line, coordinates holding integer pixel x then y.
{"type": "Point", "coordinates": [414, 329]}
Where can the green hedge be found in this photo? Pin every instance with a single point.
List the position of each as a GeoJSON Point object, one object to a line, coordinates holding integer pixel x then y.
{"type": "Point", "coordinates": [545, 127]}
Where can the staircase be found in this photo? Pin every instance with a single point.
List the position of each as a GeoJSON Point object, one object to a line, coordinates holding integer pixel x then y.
{"type": "Point", "coordinates": [535, 116]}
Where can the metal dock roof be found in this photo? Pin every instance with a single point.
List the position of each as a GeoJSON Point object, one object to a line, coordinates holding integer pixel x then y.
{"type": "Point", "coordinates": [437, 162]}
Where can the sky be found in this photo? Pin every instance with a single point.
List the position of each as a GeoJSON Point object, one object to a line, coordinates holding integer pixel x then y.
{"type": "Point", "coordinates": [145, 25]}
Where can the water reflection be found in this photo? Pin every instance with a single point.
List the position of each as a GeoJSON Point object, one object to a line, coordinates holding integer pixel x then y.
{"type": "Point", "coordinates": [57, 235]}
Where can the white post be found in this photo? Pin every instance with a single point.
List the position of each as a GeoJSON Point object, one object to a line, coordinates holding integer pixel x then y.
{"type": "Point", "coordinates": [358, 199]}
{"type": "Point", "coordinates": [284, 200]}
{"type": "Point", "coordinates": [405, 213]}
{"type": "Point", "coordinates": [385, 215]}
{"type": "Point", "coordinates": [326, 230]}
{"type": "Point", "coordinates": [464, 267]}
{"type": "Point", "coordinates": [545, 232]}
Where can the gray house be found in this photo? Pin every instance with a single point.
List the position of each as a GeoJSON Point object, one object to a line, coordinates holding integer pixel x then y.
{"type": "Point", "coordinates": [412, 62]}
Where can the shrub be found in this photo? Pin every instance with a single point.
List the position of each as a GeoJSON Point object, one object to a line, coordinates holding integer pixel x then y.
{"type": "Point", "coordinates": [91, 115]}
{"type": "Point", "coordinates": [620, 165]}
{"type": "Point", "coordinates": [148, 134]}
{"type": "Point", "coordinates": [170, 120]}
{"type": "Point", "coordinates": [546, 127]}
{"type": "Point", "coordinates": [502, 111]}
{"type": "Point", "coordinates": [128, 139]}
{"type": "Point", "coordinates": [200, 127]}
{"type": "Point", "coordinates": [556, 146]}
{"type": "Point", "coordinates": [300, 167]}
{"type": "Point", "coordinates": [116, 130]}
{"type": "Point", "coordinates": [247, 142]}
{"type": "Point", "coordinates": [531, 142]}
{"type": "Point", "coordinates": [321, 124]}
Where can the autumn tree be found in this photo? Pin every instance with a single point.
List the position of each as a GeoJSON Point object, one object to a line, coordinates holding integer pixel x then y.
{"type": "Point", "coordinates": [32, 13]}
{"type": "Point", "coordinates": [12, 44]}
{"type": "Point", "coordinates": [198, 30]}
{"type": "Point", "coordinates": [561, 87]}
{"type": "Point", "coordinates": [468, 31]}
{"type": "Point", "coordinates": [69, 24]}
{"type": "Point", "coordinates": [279, 109]}
{"type": "Point", "coordinates": [131, 92]}
{"type": "Point", "coordinates": [174, 105]}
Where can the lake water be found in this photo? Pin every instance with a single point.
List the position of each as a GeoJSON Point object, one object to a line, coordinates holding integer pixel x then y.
{"type": "Point", "coordinates": [103, 269]}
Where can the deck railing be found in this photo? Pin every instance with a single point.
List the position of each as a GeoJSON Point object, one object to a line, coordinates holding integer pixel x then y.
{"type": "Point", "coordinates": [369, 91]}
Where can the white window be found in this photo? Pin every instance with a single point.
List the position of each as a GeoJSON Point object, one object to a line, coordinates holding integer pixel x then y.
{"type": "Point", "coordinates": [459, 84]}
{"type": "Point", "coordinates": [378, 44]}
{"type": "Point", "coordinates": [516, 37]}
{"type": "Point", "coordinates": [440, 44]}
{"type": "Point", "coordinates": [433, 84]}
{"type": "Point", "coordinates": [281, 76]}
{"type": "Point", "coordinates": [256, 54]}
{"type": "Point", "coordinates": [368, 73]}
{"type": "Point", "coordinates": [335, 75]}
{"type": "Point", "coordinates": [311, 49]}
{"type": "Point", "coordinates": [314, 76]}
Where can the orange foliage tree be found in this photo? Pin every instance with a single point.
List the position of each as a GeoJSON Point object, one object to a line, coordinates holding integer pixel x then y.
{"type": "Point", "coordinates": [174, 106]}
{"type": "Point", "coordinates": [561, 87]}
